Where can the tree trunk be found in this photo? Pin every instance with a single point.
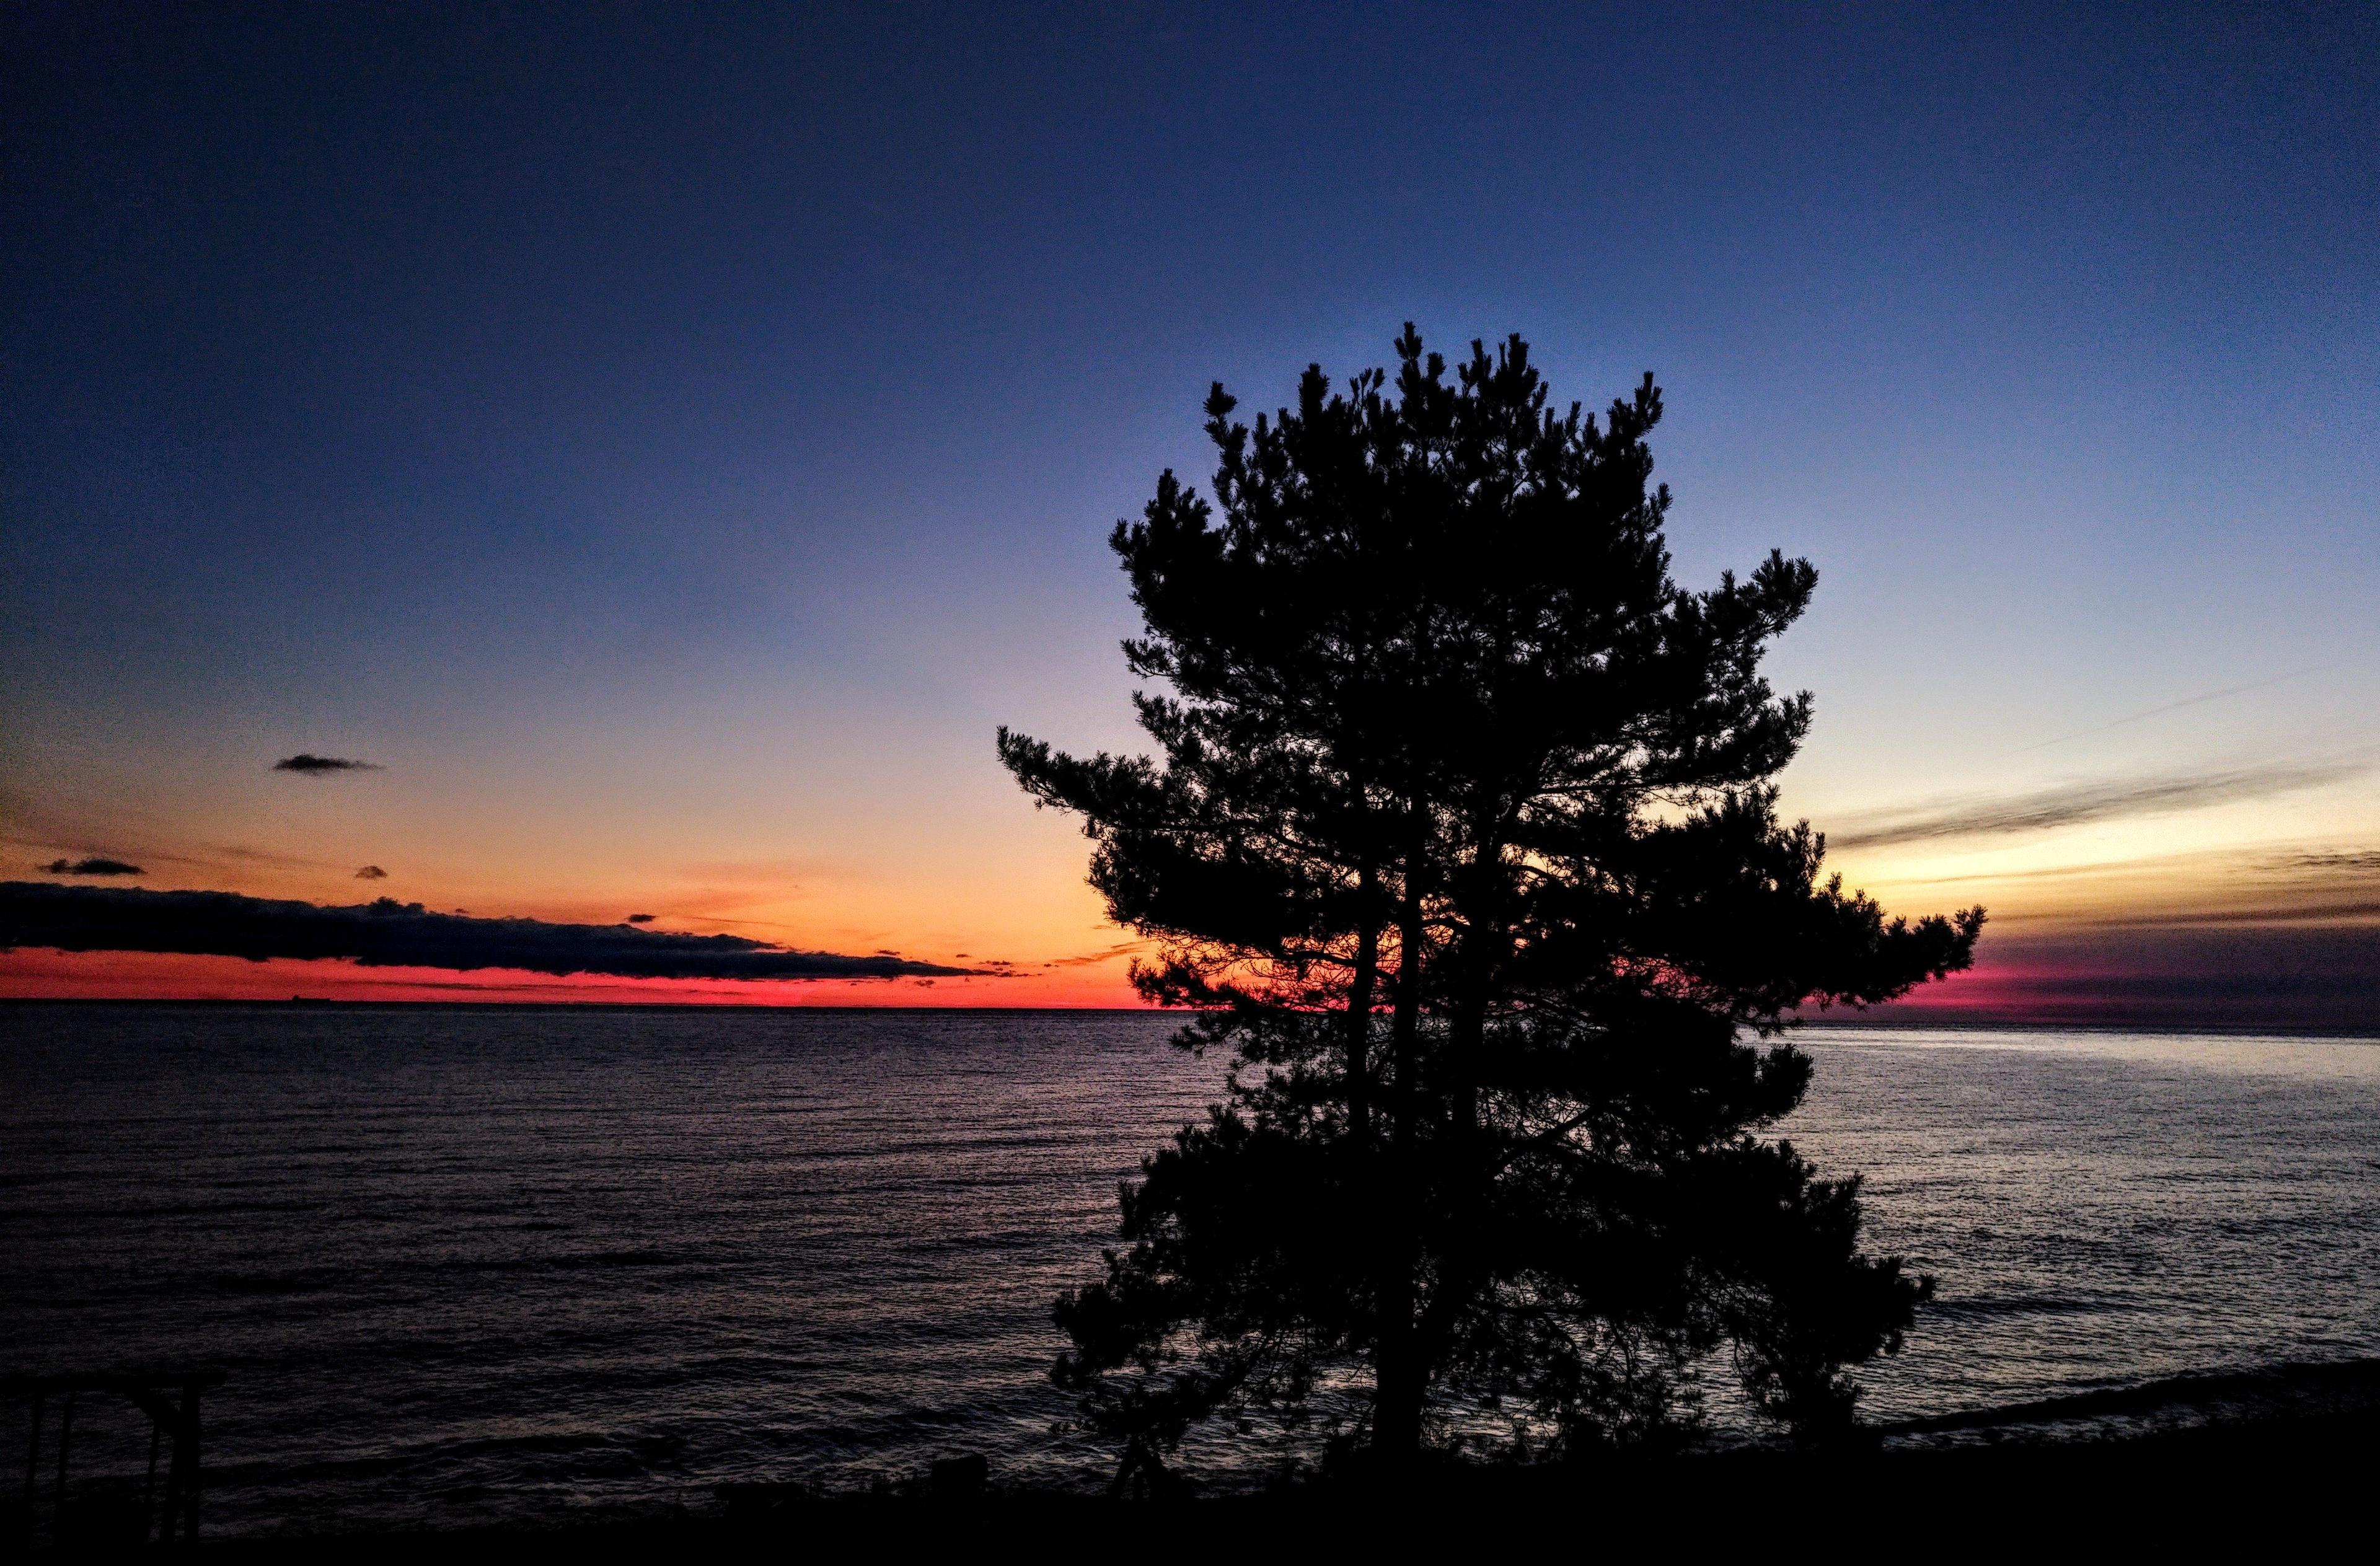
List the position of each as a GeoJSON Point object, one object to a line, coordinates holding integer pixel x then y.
{"type": "Point", "coordinates": [1405, 1035]}
{"type": "Point", "coordinates": [1396, 1413]}
{"type": "Point", "coordinates": [1360, 989]}
{"type": "Point", "coordinates": [1400, 1378]}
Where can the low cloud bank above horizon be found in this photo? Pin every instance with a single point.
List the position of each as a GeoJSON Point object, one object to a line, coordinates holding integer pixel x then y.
{"type": "Point", "coordinates": [310, 765]}
{"type": "Point", "coordinates": [387, 933]}
{"type": "Point", "coordinates": [2073, 804]}
{"type": "Point", "coordinates": [95, 866]}
{"type": "Point", "coordinates": [2242, 977]}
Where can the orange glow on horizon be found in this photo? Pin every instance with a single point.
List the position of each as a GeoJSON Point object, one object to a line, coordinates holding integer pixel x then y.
{"type": "Point", "coordinates": [40, 975]}
{"type": "Point", "coordinates": [2011, 991]}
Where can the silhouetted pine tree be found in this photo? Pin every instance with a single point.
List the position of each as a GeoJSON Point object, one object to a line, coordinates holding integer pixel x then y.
{"type": "Point", "coordinates": [1462, 843]}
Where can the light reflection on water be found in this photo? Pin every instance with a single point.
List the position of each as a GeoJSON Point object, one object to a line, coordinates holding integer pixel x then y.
{"type": "Point", "coordinates": [464, 1264]}
{"type": "Point", "coordinates": [2105, 1207]}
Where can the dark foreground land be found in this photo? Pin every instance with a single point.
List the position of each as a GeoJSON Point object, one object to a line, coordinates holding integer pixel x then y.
{"type": "Point", "coordinates": [2257, 1459]}
{"type": "Point", "coordinates": [2309, 1482]}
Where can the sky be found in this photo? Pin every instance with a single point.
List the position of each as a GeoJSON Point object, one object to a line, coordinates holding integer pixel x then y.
{"type": "Point", "coordinates": [666, 442]}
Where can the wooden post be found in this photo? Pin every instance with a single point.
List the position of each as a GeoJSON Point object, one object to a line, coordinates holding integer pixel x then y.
{"type": "Point", "coordinates": [170, 1399]}
{"type": "Point", "coordinates": [32, 1455]}
{"type": "Point", "coordinates": [32, 1465]}
{"type": "Point", "coordinates": [149, 1490]}
{"type": "Point", "coordinates": [190, 1489]}
{"type": "Point", "coordinates": [176, 1470]}
{"type": "Point", "coordinates": [66, 1441]}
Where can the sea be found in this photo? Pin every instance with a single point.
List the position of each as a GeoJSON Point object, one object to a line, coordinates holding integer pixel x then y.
{"type": "Point", "coordinates": [473, 1265]}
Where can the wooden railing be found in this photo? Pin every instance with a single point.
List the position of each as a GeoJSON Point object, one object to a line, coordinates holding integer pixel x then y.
{"type": "Point", "coordinates": [170, 1399]}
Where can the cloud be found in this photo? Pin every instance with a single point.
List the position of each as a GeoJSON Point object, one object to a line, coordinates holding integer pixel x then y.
{"type": "Point", "coordinates": [387, 933]}
{"type": "Point", "coordinates": [314, 766]}
{"type": "Point", "coordinates": [2073, 804]}
{"type": "Point", "coordinates": [2321, 977]}
{"type": "Point", "coordinates": [2159, 711]}
{"type": "Point", "coordinates": [95, 866]}
{"type": "Point", "coordinates": [2210, 886]}
{"type": "Point", "coordinates": [372, 872]}
{"type": "Point", "coordinates": [1090, 959]}
{"type": "Point", "coordinates": [642, 918]}
{"type": "Point", "coordinates": [2038, 873]}
{"type": "Point", "coordinates": [2294, 908]}
{"type": "Point", "coordinates": [241, 854]}
{"type": "Point", "coordinates": [2353, 861]}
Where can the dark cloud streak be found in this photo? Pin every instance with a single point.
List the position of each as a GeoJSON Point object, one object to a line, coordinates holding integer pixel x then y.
{"type": "Point", "coordinates": [387, 933]}
{"type": "Point", "coordinates": [95, 866]}
{"type": "Point", "coordinates": [310, 765]}
{"type": "Point", "coordinates": [2073, 804]}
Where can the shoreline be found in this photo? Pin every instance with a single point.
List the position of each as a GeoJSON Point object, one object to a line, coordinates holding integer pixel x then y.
{"type": "Point", "coordinates": [2215, 1400]}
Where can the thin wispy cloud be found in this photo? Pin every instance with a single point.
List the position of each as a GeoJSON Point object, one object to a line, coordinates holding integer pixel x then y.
{"type": "Point", "coordinates": [2211, 887]}
{"type": "Point", "coordinates": [2074, 804]}
{"type": "Point", "coordinates": [2278, 911]}
{"type": "Point", "coordinates": [2319, 869]}
{"type": "Point", "coordinates": [97, 865]}
{"type": "Point", "coordinates": [307, 764]}
{"type": "Point", "coordinates": [2142, 716]}
{"type": "Point", "coordinates": [387, 933]}
{"type": "Point", "coordinates": [2031, 873]}
{"type": "Point", "coordinates": [1090, 959]}
{"type": "Point", "coordinates": [241, 854]}
{"type": "Point", "coordinates": [2348, 861]}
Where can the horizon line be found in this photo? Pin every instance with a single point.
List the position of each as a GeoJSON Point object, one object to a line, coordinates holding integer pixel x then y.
{"type": "Point", "coordinates": [1911, 1018]}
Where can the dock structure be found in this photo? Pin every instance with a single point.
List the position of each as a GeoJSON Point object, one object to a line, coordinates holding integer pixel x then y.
{"type": "Point", "coordinates": [170, 1399]}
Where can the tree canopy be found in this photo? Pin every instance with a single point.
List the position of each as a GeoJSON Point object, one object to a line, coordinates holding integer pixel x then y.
{"type": "Point", "coordinates": [1462, 841]}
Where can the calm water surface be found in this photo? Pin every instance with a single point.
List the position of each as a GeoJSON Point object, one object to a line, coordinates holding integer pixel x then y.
{"type": "Point", "coordinates": [467, 1263]}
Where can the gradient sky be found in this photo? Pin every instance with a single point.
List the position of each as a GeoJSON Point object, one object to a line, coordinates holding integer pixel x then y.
{"type": "Point", "coordinates": [668, 441]}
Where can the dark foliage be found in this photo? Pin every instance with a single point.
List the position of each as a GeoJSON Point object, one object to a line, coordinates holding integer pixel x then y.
{"type": "Point", "coordinates": [1462, 843]}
